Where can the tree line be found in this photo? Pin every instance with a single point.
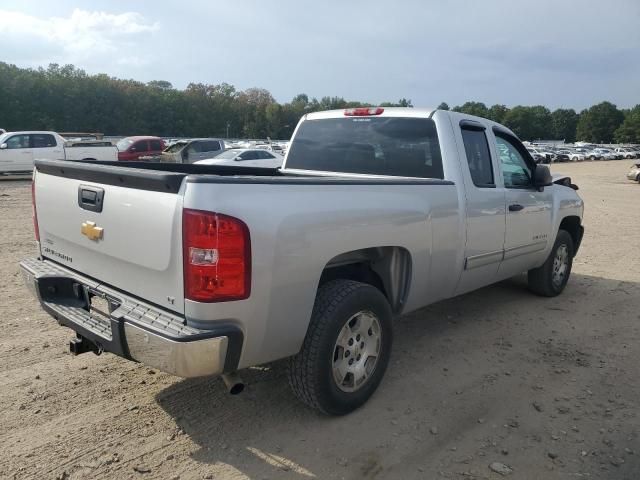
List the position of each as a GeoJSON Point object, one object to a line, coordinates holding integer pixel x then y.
{"type": "Point", "coordinates": [66, 98]}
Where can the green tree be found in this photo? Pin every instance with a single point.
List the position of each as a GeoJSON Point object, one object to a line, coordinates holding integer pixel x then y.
{"type": "Point", "coordinates": [563, 124]}
{"type": "Point", "coordinates": [497, 113]}
{"type": "Point", "coordinates": [598, 123]}
{"type": "Point", "coordinates": [443, 106]}
{"type": "Point", "coordinates": [629, 131]}
{"type": "Point", "coordinates": [529, 123]}
{"type": "Point", "coordinates": [478, 109]}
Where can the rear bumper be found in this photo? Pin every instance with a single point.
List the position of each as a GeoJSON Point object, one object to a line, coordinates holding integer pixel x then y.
{"type": "Point", "coordinates": [131, 328]}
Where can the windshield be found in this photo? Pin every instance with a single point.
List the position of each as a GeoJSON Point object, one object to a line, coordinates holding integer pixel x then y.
{"type": "Point", "coordinates": [228, 154]}
{"type": "Point", "coordinates": [176, 147]}
{"type": "Point", "coordinates": [123, 144]}
{"type": "Point", "coordinates": [396, 146]}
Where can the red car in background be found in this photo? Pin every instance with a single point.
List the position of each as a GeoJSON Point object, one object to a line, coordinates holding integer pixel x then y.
{"type": "Point", "coordinates": [131, 148]}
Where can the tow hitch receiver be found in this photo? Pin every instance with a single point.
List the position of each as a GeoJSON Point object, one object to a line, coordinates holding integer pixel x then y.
{"type": "Point", "coordinates": [80, 345]}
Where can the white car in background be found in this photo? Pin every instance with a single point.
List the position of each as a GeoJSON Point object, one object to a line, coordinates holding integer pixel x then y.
{"type": "Point", "coordinates": [626, 152]}
{"type": "Point", "coordinates": [245, 157]}
{"type": "Point", "coordinates": [18, 150]}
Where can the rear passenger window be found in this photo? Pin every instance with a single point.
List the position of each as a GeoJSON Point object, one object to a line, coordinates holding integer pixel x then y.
{"type": "Point", "coordinates": [210, 146]}
{"type": "Point", "coordinates": [42, 140]}
{"type": "Point", "coordinates": [156, 145]}
{"type": "Point", "coordinates": [478, 157]}
{"type": "Point", "coordinates": [141, 146]}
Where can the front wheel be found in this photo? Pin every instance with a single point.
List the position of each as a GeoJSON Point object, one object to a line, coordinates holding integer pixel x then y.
{"type": "Point", "coordinates": [550, 279]}
{"type": "Point", "coordinates": [346, 350]}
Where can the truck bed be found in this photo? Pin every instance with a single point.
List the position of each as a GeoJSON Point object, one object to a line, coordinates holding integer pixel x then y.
{"type": "Point", "coordinates": [168, 177]}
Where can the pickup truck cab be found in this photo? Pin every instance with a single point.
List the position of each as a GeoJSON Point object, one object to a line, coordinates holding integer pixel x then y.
{"type": "Point", "coordinates": [192, 150]}
{"type": "Point", "coordinates": [205, 270]}
{"type": "Point", "coordinates": [18, 150]}
{"type": "Point", "coordinates": [132, 148]}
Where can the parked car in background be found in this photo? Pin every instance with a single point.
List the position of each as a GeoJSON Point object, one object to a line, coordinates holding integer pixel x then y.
{"type": "Point", "coordinates": [606, 154]}
{"type": "Point", "coordinates": [562, 155]}
{"type": "Point", "coordinates": [573, 155]}
{"type": "Point", "coordinates": [588, 153]}
{"type": "Point", "coordinates": [634, 172]}
{"type": "Point", "coordinates": [18, 150]}
{"type": "Point", "coordinates": [190, 151]}
{"type": "Point", "coordinates": [132, 148]}
{"type": "Point", "coordinates": [246, 157]}
{"type": "Point", "coordinates": [539, 157]}
{"type": "Point", "coordinates": [626, 152]}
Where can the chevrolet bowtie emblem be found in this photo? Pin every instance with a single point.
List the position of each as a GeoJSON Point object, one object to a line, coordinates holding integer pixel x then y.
{"type": "Point", "coordinates": [92, 232]}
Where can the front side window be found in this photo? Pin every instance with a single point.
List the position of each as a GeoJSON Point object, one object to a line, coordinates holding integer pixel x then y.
{"type": "Point", "coordinates": [124, 144]}
{"type": "Point", "coordinates": [395, 146]}
{"type": "Point", "coordinates": [478, 157]}
{"type": "Point", "coordinates": [516, 171]}
{"type": "Point", "coordinates": [42, 140]}
{"type": "Point", "coordinates": [18, 141]}
{"type": "Point", "coordinates": [156, 145]}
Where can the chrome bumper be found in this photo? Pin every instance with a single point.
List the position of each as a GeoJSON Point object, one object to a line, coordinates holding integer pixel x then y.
{"type": "Point", "coordinates": [131, 329]}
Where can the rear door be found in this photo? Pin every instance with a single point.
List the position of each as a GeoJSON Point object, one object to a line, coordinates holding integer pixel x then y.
{"type": "Point", "coordinates": [140, 148]}
{"type": "Point", "coordinates": [528, 211]}
{"type": "Point", "coordinates": [485, 207]}
{"type": "Point", "coordinates": [128, 237]}
{"type": "Point", "coordinates": [156, 147]}
{"type": "Point", "coordinates": [209, 149]}
{"type": "Point", "coordinates": [17, 156]}
{"type": "Point", "coordinates": [46, 146]}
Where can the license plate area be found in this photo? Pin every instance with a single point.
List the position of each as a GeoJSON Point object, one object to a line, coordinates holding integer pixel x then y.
{"type": "Point", "coordinates": [100, 305]}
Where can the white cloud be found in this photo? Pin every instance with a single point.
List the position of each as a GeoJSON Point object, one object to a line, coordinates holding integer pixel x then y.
{"type": "Point", "coordinates": [75, 39]}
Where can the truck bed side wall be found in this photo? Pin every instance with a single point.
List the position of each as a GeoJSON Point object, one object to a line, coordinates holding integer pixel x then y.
{"type": "Point", "coordinates": [292, 245]}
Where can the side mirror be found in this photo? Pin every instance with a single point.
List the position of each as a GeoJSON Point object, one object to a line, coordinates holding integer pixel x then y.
{"type": "Point", "coordinates": [3, 146]}
{"type": "Point", "coordinates": [542, 177]}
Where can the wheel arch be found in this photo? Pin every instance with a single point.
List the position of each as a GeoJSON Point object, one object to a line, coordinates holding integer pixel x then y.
{"type": "Point", "coordinates": [386, 268]}
{"type": "Point", "coordinates": [572, 225]}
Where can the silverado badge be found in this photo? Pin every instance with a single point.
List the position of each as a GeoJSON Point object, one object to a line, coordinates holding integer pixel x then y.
{"type": "Point", "coordinates": [90, 231]}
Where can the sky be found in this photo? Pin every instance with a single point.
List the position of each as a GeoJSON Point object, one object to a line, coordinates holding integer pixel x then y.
{"type": "Point", "coordinates": [557, 53]}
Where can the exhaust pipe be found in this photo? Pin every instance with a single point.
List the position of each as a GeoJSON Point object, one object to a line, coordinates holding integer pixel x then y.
{"type": "Point", "coordinates": [233, 382]}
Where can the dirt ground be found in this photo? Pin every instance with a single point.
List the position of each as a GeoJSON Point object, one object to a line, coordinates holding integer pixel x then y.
{"type": "Point", "coordinates": [548, 387]}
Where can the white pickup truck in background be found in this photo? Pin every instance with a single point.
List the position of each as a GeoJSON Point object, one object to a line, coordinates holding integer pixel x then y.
{"type": "Point", "coordinates": [18, 150]}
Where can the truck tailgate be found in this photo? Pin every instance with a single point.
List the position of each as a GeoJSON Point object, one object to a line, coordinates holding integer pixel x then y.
{"type": "Point", "coordinates": [133, 244]}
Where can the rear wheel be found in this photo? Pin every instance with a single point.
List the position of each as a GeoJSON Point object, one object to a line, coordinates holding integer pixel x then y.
{"type": "Point", "coordinates": [346, 350]}
{"type": "Point", "coordinates": [550, 279]}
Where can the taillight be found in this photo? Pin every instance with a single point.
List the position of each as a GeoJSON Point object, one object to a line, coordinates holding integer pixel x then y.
{"type": "Point", "coordinates": [217, 257]}
{"type": "Point", "coordinates": [363, 112]}
{"type": "Point", "coordinates": [33, 210]}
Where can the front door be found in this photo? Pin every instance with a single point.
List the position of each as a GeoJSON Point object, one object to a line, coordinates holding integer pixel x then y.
{"type": "Point", "coordinates": [17, 156]}
{"type": "Point", "coordinates": [528, 210]}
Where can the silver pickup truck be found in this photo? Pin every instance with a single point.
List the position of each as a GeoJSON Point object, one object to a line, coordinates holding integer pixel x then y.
{"type": "Point", "coordinates": [205, 270]}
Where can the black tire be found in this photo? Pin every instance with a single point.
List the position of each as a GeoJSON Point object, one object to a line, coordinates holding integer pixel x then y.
{"type": "Point", "coordinates": [311, 373]}
{"type": "Point", "coordinates": [542, 280]}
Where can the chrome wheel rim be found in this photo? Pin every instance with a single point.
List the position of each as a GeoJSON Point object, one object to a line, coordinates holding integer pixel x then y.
{"type": "Point", "coordinates": [356, 351]}
{"type": "Point", "coordinates": [560, 265]}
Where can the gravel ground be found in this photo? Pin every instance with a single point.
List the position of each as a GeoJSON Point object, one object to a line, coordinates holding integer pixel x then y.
{"type": "Point", "coordinates": [494, 381]}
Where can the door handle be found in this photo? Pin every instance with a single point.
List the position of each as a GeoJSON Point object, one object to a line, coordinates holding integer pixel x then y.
{"type": "Point", "coordinates": [516, 207]}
